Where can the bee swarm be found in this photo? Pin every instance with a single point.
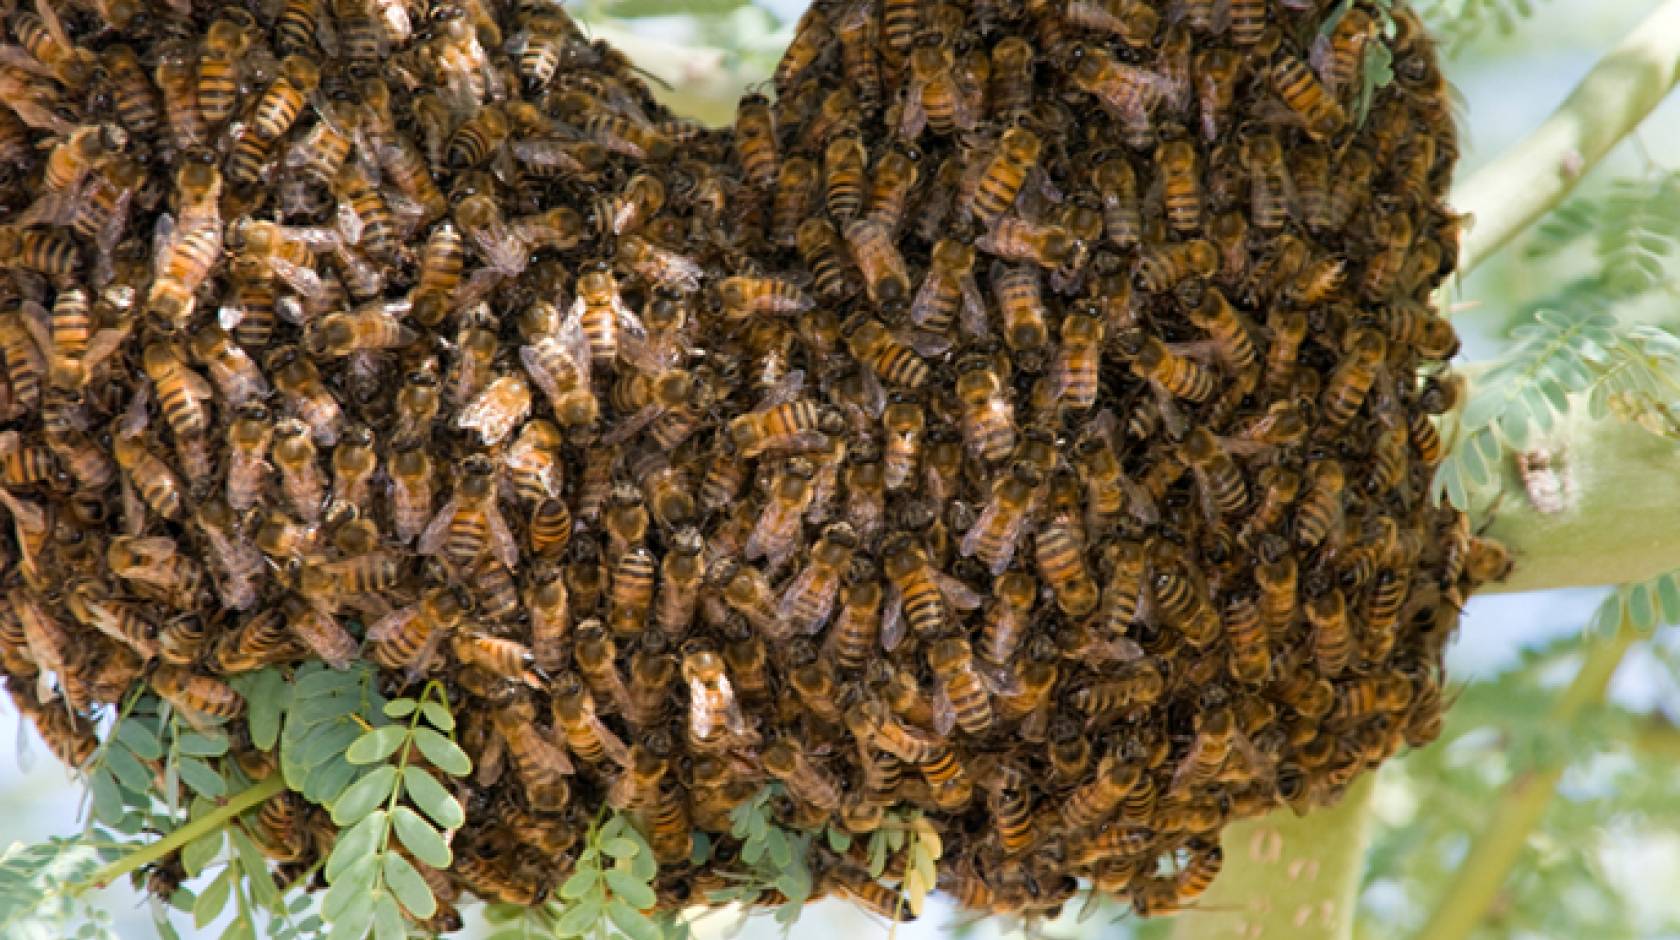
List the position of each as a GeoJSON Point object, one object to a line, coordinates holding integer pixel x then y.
{"type": "Point", "coordinates": [1024, 417]}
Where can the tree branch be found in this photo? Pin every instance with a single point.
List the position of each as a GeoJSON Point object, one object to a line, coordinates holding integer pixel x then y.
{"type": "Point", "coordinates": [1516, 189]}
{"type": "Point", "coordinates": [1622, 526]}
{"type": "Point", "coordinates": [202, 826]}
{"type": "Point", "coordinates": [1287, 876]}
{"type": "Point", "coordinates": [1523, 804]}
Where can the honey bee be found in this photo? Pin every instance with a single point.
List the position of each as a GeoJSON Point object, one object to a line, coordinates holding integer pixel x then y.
{"type": "Point", "coordinates": [1487, 560]}
{"type": "Point", "coordinates": [1217, 71]}
{"type": "Point", "coordinates": [197, 695]}
{"type": "Point", "coordinates": [1017, 239]}
{"type": "Point", "coordinates": [922, 597]}
{"type": "Point", "coordinates": [1127, 91]}
{"type": "Point", "coordinates": [1001, 177]}
{"type": "Point", "coordinates": [1092, 803]}
{"type": "Point", "coordinates": [1161, 267]}
{"type": "Point", "coordinates": [1337, 56]}
{"type": "Point", "coordinates": [1075, 375]}
{"type": "Point", "coordinates": [1314, 104]}
{"type": "Point", "coordinates": [1393, 234]}
{"type": "Point", "coordinates": [713, 709]}
{"type": "Point", "coordinates": [936, 98]}
{"type": "Point", "coordinates": [993, 537]}
{"type": "Point", "coordinates": [787, 761]}
{"type": "Point", "coordinates": [157, 485]}
{"type": "Point", "coordinates": [755, 141]}
{"type": "Point", "coordinates": [809, 598]}
{"type": "Point", "coordinates": [1173, 374]}
{"type": "Point", "coordinates": [1061, 564]}
{"type": "Point", "coordinates": [1116, 184]}
{"type": "Point", "coordinates": [895, 362]}
{"type": "Point", "coordinates": [885, 275]}
{"type": "Point", "coordinates": [1217, 476]}
{"type": "Point", "coordinates": [542, 766]}
{"type": "Point", "coordinates": [1181, 180]}
{"type": "Point", "coordinates": [1346, 389]}
{"type": "Point", "coordinates": [1332, 634]}
{"type": "Point", "coordinates": [134, 97]}
{"type": "Point", "coordinates": [301, 479]}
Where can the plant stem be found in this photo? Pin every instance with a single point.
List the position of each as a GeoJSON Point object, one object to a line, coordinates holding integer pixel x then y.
{"type": "Point", "coordinates": [1520, 808]}
{"type": "Point", "coordinates": [194, 829]}
{"type": "Point", "coordinates": [1508, 195]}
{"type": "Point", "coordinates": [1287, 876]}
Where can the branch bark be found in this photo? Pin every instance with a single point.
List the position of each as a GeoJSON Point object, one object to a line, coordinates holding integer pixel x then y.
{"type": "Point", "coordinates": [1287, 876]}
{"type": "Point", "coordinates": [1509, 194]}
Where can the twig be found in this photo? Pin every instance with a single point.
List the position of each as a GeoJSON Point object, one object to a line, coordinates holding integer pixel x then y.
{"type": "Point", "coordinates": [1513, 191]}
{"type": "Point", "coordinates": [202, 826]}
{"type": "Point", "coordinates": [1520, 808]}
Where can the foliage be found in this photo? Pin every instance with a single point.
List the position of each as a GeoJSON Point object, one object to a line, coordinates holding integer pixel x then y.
{"type": "Point", "coordinates": [911, 833]}
{"type": "Point", "coordinates": [1457, 23]}
{"type": "Point", "coordinates": [609, 892]}
{"type": "Point", "coordinates": [777, 859]}
{"type": "Point", "coordinates": [369, 877]}
{"type": "Point", "coordinates": [33, 902]}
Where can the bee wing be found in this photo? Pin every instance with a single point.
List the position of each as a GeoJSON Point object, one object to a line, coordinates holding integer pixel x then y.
{"type": "Point", "coordinates": [627, 319]}
{"type": "Point", "coordinates": [892, 619]}
{"type": "Point", "coordinates": [389, 625]}
{"type": "Point", "coordinates": [786, 389]}
{"type": "Point", "coordinates": [700, 715]}
{"type": "Point", "coordinates": [956, 593]}
{"type": "Point", "coordinates": [944, 713]}
{"type": "Point", "coordinates": [431, 539]}
{"type": "Point", "coordinates": [1181, 776]}
{"type": "Point", "coordinates": [914, 118]}
{"type": "Point", "coordinates": [26, 514]}
{"type": "Point", "coordinates": [971, 539]}
{"type": "Point", "coordinates": [633, 425]}
{"type": "Point", "coordinates": [326, 637]}
{"type": "Point", "coordinates": [55, 26]}
{"type": "Point", "coordinates": [926, 297]}
{"type": "Point", "coordinates": [973, 311]}
{"type": "Point", "coordinates": [999, 680]}
{"type": "Point", "coordinates": [804, 584]}
{"type": "Point", "coordinates": [502, 542]}
{"type": "Point", "coordinates": [928, 345]}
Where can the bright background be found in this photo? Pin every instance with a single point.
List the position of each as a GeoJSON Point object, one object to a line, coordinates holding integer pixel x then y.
{"type": "Point", "coordinates": [1604, 861]}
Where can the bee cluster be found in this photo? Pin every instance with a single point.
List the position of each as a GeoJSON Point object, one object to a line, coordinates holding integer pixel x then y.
{"type": "Point", "coordinates": [1024, 418]}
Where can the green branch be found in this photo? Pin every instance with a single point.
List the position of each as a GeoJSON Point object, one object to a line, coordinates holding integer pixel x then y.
{"type": "Point", "coordinates": [1520, 808]}
{"type": "Point", "coordinates": [1511, 193]}
{"type": "Point", "coordinates": [1287, 876]}
{"type": "Point", "coordinates": [202, 826]}
{"type": "Point", "coordinates": [1623, 526]}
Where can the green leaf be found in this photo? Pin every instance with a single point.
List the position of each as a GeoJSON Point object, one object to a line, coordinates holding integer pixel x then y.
{"type": "Point", "coordinates": [107, 796]}
{"type": "Point", "coordinates": [700, 849]}
{"type": "Point", "coordinates": [635, 892]}
{"type": "Point", "coordinates": [400, 707]}
{"type": "Point", "coordinates": [351, 889]}
{"type": "Point", "coordinates": [128, 770]}
{"type": "Point", "coordinates": [213, 898]}
{"type": "Point", "coordinates": [354, 925]}
{"type": "Point", "coordinates": [444, 754]}
{"type": "Point", "coordinates": [580, 917]}
{"type": "Point", "coordinates": [364, 795]}
{"type": "Point", "coordinates": [1641, 611]}
{"type": "Point", "coordinates": [211, 742]}
{"type": "Point", "coordinates": [781, 849]}
{"type": "Point", "coordinates": [387, 917]}
{"type": "Point", "coordinates": [428, 794]}
{"type": "Point", "coordinates": [266, 696]}
{"type": "Point", "coordinates": [620, 848]}
{"type": "Point", "coordinates": [439, 716]}
{"type": "Point", "coordinates": [1668, 594]}
{"type": "Point", "coordinates": [204, 781]}
{"type": "Point", "coordinates": [326, 782]}
{"type": "Point", "coordinates": [139, 739]}
{"type": "Point", "coordinates": [420, 838]}
{"type": "Point", "coordinates": [633, 923]}
{"type": "Point", "coordinates": [263, 891]}
{"type": "Point", "coordinates": [580, 883]}
{"type": "Point", "coordinates": [376, 745]}
{"type": "Point", "coordinates": [356, 843]}
{"type": "Point", "coordinates": [199, 852]}
{"type": "Point", "coordinates": [838, 839]}
{"type": "Point", "coordinates": [406, 884]}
